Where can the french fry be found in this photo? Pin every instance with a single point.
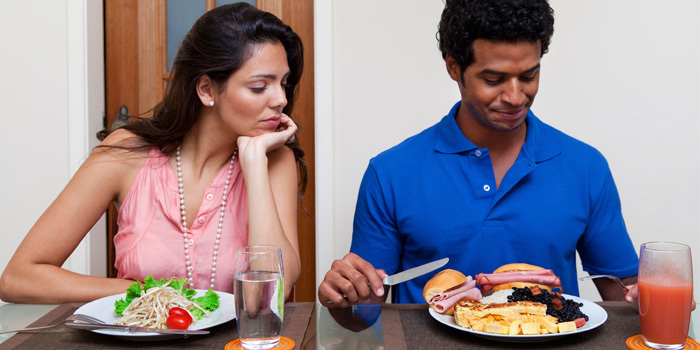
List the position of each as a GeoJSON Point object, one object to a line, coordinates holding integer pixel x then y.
{"type": "Point", "coordinates": [567, 327]}
{"type": "Point", "coordinates": [547, 324]}
{"type": "Point", "coordinates": [514, 328]}
{"type": "Point", "coordinates": [530, 328]}
{"type": "Point", "coordinates": [495, 328]}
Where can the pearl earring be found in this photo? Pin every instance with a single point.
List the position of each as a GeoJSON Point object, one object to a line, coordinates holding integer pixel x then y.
{"type": "Point", "coordinates": [211, 103]}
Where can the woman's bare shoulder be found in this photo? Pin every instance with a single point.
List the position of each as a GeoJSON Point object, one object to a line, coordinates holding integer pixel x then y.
{"type": "Point", "coordinates": [117, 161]}
{"type": "Point", "coordinates": [120, 146]}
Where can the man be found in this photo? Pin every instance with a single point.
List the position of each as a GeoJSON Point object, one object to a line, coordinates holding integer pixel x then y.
{"type": "Point", "coordinates": [490, 183]}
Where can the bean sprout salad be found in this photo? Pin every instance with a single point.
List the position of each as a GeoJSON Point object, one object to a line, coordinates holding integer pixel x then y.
{"type": "Point", "coordinates": [150, 305]}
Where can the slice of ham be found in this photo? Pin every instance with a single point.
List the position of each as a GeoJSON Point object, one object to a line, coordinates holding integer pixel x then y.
{"type": "Point", "coordinates": [468, 284]}
{"type": "Point", "coordinates": [442, 302]}
{"type": "Point", "coordinates": [546, 277]}
{"type": "Point", "coordinates": [445, 304]}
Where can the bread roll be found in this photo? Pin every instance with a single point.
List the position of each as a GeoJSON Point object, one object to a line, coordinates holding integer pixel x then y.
{"type": "Point", "coordinates": [518, 267]}
{"type": "Point", "coordinates": [441, 282]}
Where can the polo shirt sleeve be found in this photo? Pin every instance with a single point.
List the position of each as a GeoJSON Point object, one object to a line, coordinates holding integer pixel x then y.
{"type": "Point", "coordinates": [605, 246]}
{"type": "Point", "coordinates": [375, 236]}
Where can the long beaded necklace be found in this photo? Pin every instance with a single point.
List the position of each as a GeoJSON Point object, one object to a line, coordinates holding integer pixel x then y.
{"type": "Point", "coordinates": [181, 190]}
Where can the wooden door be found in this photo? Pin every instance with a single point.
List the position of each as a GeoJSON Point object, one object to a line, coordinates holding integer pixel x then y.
{"type": "Point", "coordinates": [136, 77]}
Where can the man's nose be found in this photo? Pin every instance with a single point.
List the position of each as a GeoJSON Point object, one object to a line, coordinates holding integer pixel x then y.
{"type": "Point", "coordinates": [513, 93]}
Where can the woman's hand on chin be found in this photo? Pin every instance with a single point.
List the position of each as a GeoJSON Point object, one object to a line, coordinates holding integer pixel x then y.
{"type": "Point", "coordinates": [257, 146]}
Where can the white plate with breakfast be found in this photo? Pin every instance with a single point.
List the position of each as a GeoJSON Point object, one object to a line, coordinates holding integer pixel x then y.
{"type": "Point", "coordinates": [518, 302]}
{"type": "Point", "coordinates": [596, 317]}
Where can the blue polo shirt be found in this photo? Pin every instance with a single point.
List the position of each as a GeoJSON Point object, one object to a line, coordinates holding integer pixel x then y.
{"type": "Point", "coordinates": [434, 195]}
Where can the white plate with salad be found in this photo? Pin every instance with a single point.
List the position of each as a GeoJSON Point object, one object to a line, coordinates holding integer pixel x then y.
{"type": "Point", "coordinates": [104, 309]}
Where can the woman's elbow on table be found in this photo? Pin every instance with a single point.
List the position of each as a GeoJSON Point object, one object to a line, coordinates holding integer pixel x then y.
{"type": "Point", "coordinates": [9, 291]}
{"type": "Point", "coordinates": [290, 279]}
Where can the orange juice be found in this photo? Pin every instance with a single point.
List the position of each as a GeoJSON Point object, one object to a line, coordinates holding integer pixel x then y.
{"type": "Point", "coordinates": [664, 309]}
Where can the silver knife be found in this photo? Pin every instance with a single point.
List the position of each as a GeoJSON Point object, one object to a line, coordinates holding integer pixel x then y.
{"type": "Point", "coordinates": [412, 273]}
{"type": "Point", "coordinates": [130, 329]}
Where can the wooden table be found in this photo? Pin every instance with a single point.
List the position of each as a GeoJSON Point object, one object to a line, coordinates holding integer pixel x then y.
{"type": "Point", "coordinates": [409, 326]}
{"type": "Point", "coordinates": [312, 326]}
{"type": "Point", "coordinates": [295, 324]}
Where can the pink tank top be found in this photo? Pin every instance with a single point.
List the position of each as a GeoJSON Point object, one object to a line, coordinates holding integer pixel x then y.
{"type": "Point", "coordinates": [150, 241]}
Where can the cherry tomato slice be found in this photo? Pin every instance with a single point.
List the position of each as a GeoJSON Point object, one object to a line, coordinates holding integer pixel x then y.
{"type": "Point", "coordinates": [178, 311]}
{"type": "Point", "coordinates": [177, 322]}
{"type": "Point", "coordinates": [178, 318]}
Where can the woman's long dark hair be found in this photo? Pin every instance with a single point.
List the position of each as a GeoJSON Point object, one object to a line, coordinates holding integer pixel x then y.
{"type": "Point", "coordinates": [217, 46]}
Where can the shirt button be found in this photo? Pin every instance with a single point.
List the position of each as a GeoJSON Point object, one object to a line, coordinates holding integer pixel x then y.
{"type": "Point", "coordinates": [201, 220]}
{"type": "Point", "coordinates": [487, 188]}
{"type": "Point", "coordinates": [478, 153]}
{"type": "Point", "coordinates": [210, 196]}
{"type": "Point", "coordinates": [190, 242]}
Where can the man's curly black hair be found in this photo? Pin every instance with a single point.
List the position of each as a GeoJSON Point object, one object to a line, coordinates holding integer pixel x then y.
{"type": "Point", "coordinates": [464, 21]}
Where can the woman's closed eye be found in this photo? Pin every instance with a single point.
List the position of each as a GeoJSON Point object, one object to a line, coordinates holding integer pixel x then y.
{"type": "Point", "coordinates": [261, 89]}
{"type": "Point", "coordinates": [258, 89]}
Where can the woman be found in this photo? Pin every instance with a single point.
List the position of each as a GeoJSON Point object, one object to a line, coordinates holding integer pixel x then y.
{"type": "Point", "coordinates": [208, 173]}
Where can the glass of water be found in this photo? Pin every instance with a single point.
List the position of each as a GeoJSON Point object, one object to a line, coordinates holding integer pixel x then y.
{"type": "Point", "coordinates": [259, 293]}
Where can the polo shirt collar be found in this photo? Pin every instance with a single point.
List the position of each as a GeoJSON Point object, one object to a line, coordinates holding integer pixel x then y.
{"type": "Point", "coordinates": [539, 145]}
{"type": "Point", "coordinates": [450, 138]}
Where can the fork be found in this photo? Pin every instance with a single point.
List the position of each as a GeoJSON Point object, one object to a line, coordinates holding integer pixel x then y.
{"type": "Point", "coordinates": [614, 278]}
{"type": "Point", "coordinates": [71, 318]}
{"type": "Point", "coordinates": [84, 318]}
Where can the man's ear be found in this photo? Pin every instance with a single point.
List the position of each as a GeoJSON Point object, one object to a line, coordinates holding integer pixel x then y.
{"type": "Point", "coordinates": [453, 68]}
{"type": "Point", "coordinates": [205, 90]}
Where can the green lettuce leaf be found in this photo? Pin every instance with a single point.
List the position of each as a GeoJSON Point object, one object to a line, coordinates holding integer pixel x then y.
{"type": "Point", "coordinates": [179, 284]}
{"type": "Point", "coordinates": [134, 291]}
{"type": "Point", "coordinates": [209, 301]}
{"type": "Point", "coordinates": [149, 282]}
{"type": "Point", "coordinates": [120, 306]}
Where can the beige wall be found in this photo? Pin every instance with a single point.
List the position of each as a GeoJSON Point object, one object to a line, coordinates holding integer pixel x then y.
{"type": "Point", "coordinates": [621, 75]}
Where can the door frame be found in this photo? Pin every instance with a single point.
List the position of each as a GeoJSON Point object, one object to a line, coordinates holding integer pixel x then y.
{"type": "Point", "coordinates": [323, 138]}
{"type": "Point", "coordinates": [86, 104]}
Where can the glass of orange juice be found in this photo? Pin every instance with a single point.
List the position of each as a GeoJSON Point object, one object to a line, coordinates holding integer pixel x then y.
{"type": "Point", "coordinates": [665, 294]}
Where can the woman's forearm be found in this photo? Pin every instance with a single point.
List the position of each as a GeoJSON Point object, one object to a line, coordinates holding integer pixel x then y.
{"type": "Point", "coordinates": [49, 284]}
{"type": "Point", "coordinates": [272, 209]}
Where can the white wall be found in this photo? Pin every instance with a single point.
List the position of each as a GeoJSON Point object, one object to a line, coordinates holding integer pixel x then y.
{"type": "Point", "coordinates": [632, 89]}
{"type": "Point", "coordinates": [379, 79]}
{"type": "Point", "coordinates": [621, 75]}
{"type": "Point", "coordinates": [52, 98]}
